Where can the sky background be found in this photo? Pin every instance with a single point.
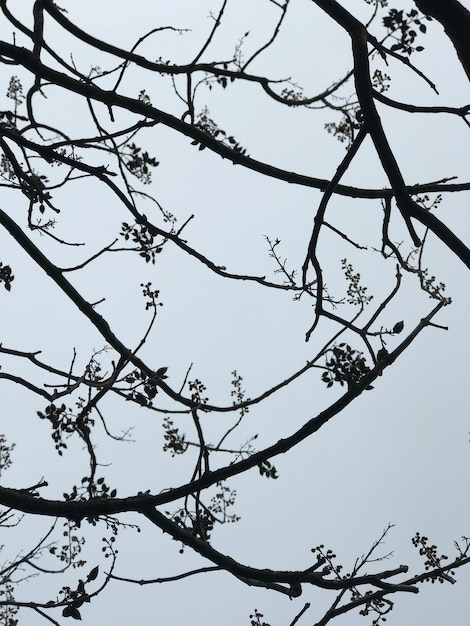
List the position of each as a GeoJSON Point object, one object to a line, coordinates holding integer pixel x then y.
{"type": "Point", "coordinates": [399, 454]}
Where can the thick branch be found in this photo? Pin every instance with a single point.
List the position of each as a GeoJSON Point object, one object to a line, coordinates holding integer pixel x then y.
{"type": "Point", "coordinates": [455, 19]}
{"type": "Point", "coordinates": [365, 94]}
{"type": "Point", "coordinates": [28, 503]}
{"type": "Point", "coordinates": [25, 58]}
{"type": "Point", "coordinates": [268, 576]}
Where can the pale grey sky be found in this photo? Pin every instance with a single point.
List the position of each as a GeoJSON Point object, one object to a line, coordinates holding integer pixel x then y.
{"type": "Point", "coordinates": [399, 454]}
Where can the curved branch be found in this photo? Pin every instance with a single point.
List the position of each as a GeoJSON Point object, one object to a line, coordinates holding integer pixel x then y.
{"type": "Point", "coordinates": [110, 98]}
{"type": "Point", "coordinates": [23, 501]}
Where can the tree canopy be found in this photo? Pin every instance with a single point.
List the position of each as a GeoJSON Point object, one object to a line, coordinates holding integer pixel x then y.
{"type": "Point", "coordinates": [223, 225]}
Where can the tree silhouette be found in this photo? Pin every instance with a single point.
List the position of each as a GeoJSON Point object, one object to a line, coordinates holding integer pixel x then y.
{"type": "Point", "coordinates": [97, 140]}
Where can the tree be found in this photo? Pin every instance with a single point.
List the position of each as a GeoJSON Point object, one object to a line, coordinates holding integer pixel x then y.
{"type": "Point", "coordinates": [104, 143]}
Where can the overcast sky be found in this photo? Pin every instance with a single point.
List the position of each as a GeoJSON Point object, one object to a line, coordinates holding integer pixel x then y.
{"type": "Point", "coordinates": [398, 455]}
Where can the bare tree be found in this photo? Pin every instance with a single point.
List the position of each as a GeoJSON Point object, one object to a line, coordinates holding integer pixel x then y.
{"type": "Point", "coordinates": [79, 147]}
